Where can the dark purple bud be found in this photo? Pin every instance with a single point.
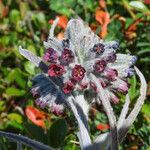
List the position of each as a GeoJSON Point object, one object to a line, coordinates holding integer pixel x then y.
{"type": "Point", "coordinates": [68, 87]}
{"type": "Point", "coordinates": [111, 74]}
{"type": "Point", "coordinates": [99, 66]}
{"type": "Point", "coordinates": [78, 73]}
{"type": "Point", "coordinates": [66, 56]}
{"type": "Point", "coordinates": [50, 56]}
{"type": "Point", "coordinates": [34, 92]}
{"type": "Point", "coordinates": [111, 57]}
{"type": "Point", "coordinates": [98, 48]}
{"type": "Point", "coordinates": [40, 103]}
{"type": "Point", "coordinates": [37, 101]}
{"type": "Point", "coordinates": [123, 88]}
{"type": "Point", "coordinates": [57, 109]}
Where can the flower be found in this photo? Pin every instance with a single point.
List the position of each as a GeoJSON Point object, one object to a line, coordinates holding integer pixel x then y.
{"type": "Point", "coordinates": [99, 66]}
{"type": "Point", "coordinates": [50, 55]}
{"type": "Point", "coordinates": [102, 127]}
{"type": "Point", "coordinates": [36, 116]}
{"type": "Point", "coordinates": [66, 56]}
{"type": "Point", "coordinates": [57, 109]}
{"type": "Point", "coordinates": [68, 87]}
{"type": "Point", "coordinates": [78, 73]}
{"type": "Point", "coordinates": [72, 60]}
{"type": "Point", "coordinates": [111, 74]}
{"type": "Point", "coordinates": [103, 18]}
{"type": "Point", "coordinates": [62, 21]}
{"type": "Point", "coordinates": [98, 48]}
{"type": "Point", "coordinates": [56, 70]}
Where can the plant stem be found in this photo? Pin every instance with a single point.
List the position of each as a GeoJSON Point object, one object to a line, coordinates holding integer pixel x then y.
{"type": "Point", "coordinates": [25, 140]}
{"type": "Point", "coordinates": [83, 135]}
{"type": "Point", "coordinates": [109, 111]}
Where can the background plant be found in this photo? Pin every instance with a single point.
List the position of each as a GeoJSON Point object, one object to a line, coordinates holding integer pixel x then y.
{"type": "Point", "coordinates": [26, 23]}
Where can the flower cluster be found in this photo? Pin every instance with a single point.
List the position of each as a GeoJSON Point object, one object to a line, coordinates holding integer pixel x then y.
{"type": "Point", "coordinates": [82, 53]}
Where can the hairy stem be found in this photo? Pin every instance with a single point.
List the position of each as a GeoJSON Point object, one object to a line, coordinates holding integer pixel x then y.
{"type": "Point", "coordinates": [137, 107]}
{"type": "Point", "coordinates": [124, 111]}
{"type": "Point", "coordinates": [25, 140]}
{"type": "Point", "coordinates": [83, 135]}
{"type": "Point", "coordinates": [109, 111]}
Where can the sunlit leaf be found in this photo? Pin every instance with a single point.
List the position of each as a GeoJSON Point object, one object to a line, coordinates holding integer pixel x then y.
{"type": "Point", "coordinates": [138, 5]}
{"type": "Point", "coordinates": [30, 67]}
{"type": "Point", "coordinates": [15, 117]}
{"type": "Point", "coordinates": [15, 92]}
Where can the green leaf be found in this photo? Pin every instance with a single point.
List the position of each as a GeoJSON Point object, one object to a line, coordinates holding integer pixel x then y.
{"type": "Point", "coordinates": [36, 132]}
{"type": "Point", "coordinates": [15, 117]}
{"type": "Point", "coordinates": [14, 16]}
{"type": "Point", "coordinates": [138, 5]}
{"type": "Point", "coordinates": [62, 7]}
{"type": "Point", "coordinates": [14, 124]}
{"type": "Point", "coordinates": [32, 49]}
{"type": "Point", "coordinates": [2, 105]}
{"type": "Point", "coordinates": [132, 91]}
{"type": "Point", "coordinates": [57, 133]}
{"type": "Point", "coordinates": [30, 67]}
{"type": "Point", "coordinates": [17, 76]}
{"type": "Point", "coordinates": [23, 8]}
{"type": "Point", "coordinates": [15, 92]}
{"type": "Point", "coordinates": [146, 108]}
{"type": "Point", "coordinates": [39, 19]}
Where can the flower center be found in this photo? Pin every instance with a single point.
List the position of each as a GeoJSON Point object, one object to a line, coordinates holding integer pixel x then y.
{"type": "Point", "coordinates": [56, 70]}
{"type": "Point", "coordinates": [98, 48]}
{"type": "Point", "coordinates": [51, 55]}
{"type": "Point", "coordinates": [66, 57]}
{"type": "Point", "coordinates": [78, 73]}
{"type": "Point", "coordinates": [99, 66]}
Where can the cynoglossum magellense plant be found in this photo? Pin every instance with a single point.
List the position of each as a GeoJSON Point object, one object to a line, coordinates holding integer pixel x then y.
{"type": "Point", "coordinates": [81, 67]}
{"type": "Point", "coordinates": [79, 54]}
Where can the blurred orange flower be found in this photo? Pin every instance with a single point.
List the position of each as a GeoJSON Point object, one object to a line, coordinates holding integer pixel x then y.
{"type": "Point", "coordinates": [63, 20]}
{"type": "Point", "coordinates": [147, 2]}
{"type": "Point", "coordinates": [103, 18]}
{"type": "Point", "coordinates": [36, 116]}
{"type": "Point", "coordinates": [3, 10]}
{"type": "Point", "coordinates": [130, 32]}
{"type": "Point", "coordinates": [102, 4]}
{"type": "Point", "coordinates": [102, 127]}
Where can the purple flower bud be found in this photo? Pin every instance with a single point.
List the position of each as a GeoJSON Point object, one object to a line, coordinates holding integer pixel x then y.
{"type": "Point", "coordinates": [37, 101]}
{"type": "Point", "coordinates": [111, 57]}
{"type": "Point", "coordinates": [34, 92]}
{"type": "Point", "coordinates": [50, 56]}
{"type": "Point", "coordinates": [99, 66]}
{"type": "Point", "coordinates": [98, 48]}
{"type": "Point", "coordinates": [66, 56]}
{"type": "Point", "coordinates": [123, 88]}
{"type": "Point", "coordinates": [111, 74]}
{"type": "Point", "coordinates": [57, 109]}
{"type": "Point", "coordinates": [40, 103]}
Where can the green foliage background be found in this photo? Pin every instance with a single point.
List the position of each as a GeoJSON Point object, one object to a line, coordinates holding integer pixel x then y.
{"type": "Point", "coordinates": [26, 24]}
